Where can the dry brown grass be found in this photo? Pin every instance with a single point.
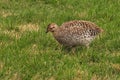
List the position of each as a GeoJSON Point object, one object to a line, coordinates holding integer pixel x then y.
{"type": "Point", "coordinates": [12, 34]}
{"type": "Point", "coordinates": [15, 76]}
{"type": "Point", "coordinates": [116, 67]}
{"type": "Point", "coordinates": [36, 77]}
{"type": "Point", "coordinates": [97, 77]}
{"type": "Point", "coordinates": [21, 30]}
{"type": "Point", "coordinates": [5, 14]}
{"type": "Point", "coordinates": [32, 49]}
{"type": "Point", "coordinates": [114, 54]}
{"type": "Point", "coordinates": [1, 65]}
{"type": "Point", "coordinates": [80, 75]}
{"type": "Point", "coordinates": [82, 14]}
{"type": "Point", "coordinates": [52, 78]}
{"type": "Point", "coordinates": [28, 27]}
{"type": "Point", "coordinates": [4, 1]}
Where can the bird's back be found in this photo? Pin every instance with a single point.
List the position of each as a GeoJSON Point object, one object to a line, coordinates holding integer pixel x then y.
{"type": "Point", "coordinates": [81, 24]}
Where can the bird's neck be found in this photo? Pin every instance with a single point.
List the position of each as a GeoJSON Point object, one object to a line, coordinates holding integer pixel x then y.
{"type": "Point", "coordinates": [56, 32]}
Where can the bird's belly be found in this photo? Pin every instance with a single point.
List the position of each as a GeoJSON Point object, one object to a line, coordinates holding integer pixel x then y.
{"type": "Point", "coordinates": [74, 40]}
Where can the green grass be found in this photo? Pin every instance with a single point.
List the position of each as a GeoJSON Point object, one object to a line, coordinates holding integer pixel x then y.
{"type": "Point", "coordinates": [29, 53]}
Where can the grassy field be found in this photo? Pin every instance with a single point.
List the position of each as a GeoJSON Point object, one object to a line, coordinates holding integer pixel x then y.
{"type": "Point", "coordinates": [27, 52]}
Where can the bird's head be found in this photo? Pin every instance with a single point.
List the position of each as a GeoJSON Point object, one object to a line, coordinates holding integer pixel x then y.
{"type": "Point", "coordinates": [51, 28]}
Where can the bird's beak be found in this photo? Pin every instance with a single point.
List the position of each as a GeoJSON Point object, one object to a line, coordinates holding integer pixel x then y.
{"type": "Point", "coordinates": [47, 31]}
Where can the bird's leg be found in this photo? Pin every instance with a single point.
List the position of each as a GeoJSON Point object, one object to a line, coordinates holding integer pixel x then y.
{"type": "Point", "coordinates": [73, 50]}
{"type": "Point", "coordinates": [66, 49]}
{"type": "Point", "coordinates": [70, 49]}
{"type": "Point", "coordinates": [87, 46]}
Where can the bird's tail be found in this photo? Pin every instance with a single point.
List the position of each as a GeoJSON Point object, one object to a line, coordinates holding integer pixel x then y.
{"type": "Point", "coordinates": [99, 30]}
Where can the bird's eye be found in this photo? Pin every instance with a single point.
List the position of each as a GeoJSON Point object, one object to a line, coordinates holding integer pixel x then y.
{"type": "Point", "coordinates": [51, 27]}
{"type": "Point", "coordinates": [90, 30]}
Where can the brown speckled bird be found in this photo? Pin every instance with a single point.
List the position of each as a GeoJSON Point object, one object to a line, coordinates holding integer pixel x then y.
{"type": "Point", "coordinates": [74, 33]}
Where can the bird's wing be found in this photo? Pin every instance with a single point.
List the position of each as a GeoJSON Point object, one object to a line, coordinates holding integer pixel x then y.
{"type": "Point", "coordinates": [71, 24]}
{"type": "Point", "coordinates": [80, 26]}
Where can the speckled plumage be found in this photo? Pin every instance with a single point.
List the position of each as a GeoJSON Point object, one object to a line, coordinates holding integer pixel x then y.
{"type": "Point", "coordinates": [75, 33]}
